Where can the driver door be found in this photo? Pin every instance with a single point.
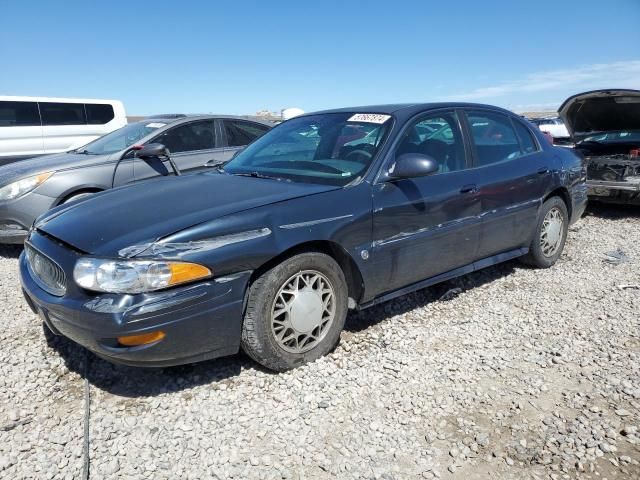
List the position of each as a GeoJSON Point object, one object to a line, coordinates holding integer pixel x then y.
{"type": "Point", "coordinates": [191, 145]}
{"type": "Point", "coordinates": [426, 226]}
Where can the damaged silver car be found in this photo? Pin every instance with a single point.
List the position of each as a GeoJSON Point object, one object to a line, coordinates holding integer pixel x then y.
{"type": "Point", "coordinates": [605, 126]}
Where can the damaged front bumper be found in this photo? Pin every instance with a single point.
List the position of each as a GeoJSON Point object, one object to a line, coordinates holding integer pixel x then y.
{"type": "Point", "coordinates": [614, 180]}
{"type": "Point", "coordinates": [631, 184]}
{"type": "Point", "coordinates": [199, 321]}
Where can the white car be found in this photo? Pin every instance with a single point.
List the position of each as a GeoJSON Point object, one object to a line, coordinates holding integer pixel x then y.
{"type": "Point", "coordinates": [32, 126]}
{"type": "Point", "coordinates": [554, 126]}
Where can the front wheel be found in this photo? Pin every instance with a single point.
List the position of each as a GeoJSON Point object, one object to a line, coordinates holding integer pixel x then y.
{"type": "Point", "coordinates": [295, 311]}
{"type": "Point", "coordinates": [551, 234]}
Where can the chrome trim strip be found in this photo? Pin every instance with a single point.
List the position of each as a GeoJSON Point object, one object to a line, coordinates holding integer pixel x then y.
{"type": "Point", "coordinates": [311, 223]}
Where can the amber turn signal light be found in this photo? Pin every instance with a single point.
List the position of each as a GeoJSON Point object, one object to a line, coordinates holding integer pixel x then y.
{"type": "Point", "coordinates": [142, 339]}
{"type": "Point", "coordinates": [187, 272]}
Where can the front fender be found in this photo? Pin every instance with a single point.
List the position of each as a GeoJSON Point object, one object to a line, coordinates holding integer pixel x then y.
{"type": "Point", "coordinates": [250, 239]}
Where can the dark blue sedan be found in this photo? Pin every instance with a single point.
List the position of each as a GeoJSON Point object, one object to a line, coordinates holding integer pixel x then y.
{"type": "Point", "coordinates": [327, 212]}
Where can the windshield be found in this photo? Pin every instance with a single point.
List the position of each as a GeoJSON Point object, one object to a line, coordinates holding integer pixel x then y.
{"type": "Point", "coordinates": [120, 139]}
{"type": "Point", "coordinates": [333, 149]}
{"type": "Point", "coordinates": [615, 137]}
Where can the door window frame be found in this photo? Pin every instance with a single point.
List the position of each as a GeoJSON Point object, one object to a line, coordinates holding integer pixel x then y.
{"type": "Point", "coordinates": [411, 122]}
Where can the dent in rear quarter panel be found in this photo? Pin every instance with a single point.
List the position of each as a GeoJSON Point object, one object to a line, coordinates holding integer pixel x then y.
{"type": "Point", "coordinates": [574, 179]}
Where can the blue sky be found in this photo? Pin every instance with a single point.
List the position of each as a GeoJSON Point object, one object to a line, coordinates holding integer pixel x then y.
{"type": "Point", "coordinates": [241, 56]}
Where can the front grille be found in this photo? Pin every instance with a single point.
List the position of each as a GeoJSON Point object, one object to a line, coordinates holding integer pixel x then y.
{"type": "Point", "coordinates": [46, 273]}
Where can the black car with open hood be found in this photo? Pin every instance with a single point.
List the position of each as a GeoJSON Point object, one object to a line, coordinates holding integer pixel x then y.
{"type": "Point", "coordinates": [605, 126]}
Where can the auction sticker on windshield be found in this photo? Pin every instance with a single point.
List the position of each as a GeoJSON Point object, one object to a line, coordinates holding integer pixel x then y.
{"type": "Point", "coordinates": [369, 117]}
{"type": "Point", "coordinates": [155, 125]}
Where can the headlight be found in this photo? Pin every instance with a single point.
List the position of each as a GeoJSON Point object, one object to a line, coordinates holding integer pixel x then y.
{"type": "Point", "coordinates": [134, 276]}
{"type": "Point", "coordinates": [21, 187]}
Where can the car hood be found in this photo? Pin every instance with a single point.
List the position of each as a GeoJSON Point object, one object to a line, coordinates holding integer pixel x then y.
{"type": "Point", "coordinates": [601, 111]}
{"type": "Point", "coordinates": [108, 222]}
{"type": "Point", "coordinates": [46, 163]}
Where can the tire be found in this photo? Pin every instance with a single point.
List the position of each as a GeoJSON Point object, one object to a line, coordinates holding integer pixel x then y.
{"type": "Point", "coordinates": [77, 196]}
{"type": "Point", "coordinates": [540, 255]}
{"type": "Point", "coordinates": [271, 312]}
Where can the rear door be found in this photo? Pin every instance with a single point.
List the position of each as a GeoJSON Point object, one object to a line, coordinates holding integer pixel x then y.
{"type": "Point", "coordinates": [191, 145]}
{"type": "Point", "coordinates": [430, 225]}
{"type": "Point", "coordinates": [513, 174]}
{"type": "Point", "coordinates": [20, 130]}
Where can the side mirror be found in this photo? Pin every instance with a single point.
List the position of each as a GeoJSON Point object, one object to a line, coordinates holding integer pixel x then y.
{"type": "Point", "coordinates": [215, 163]}
{"type": "Point", "coordinates": [159, 151]}
{"type": "Point", "coordinates": [412, 165]}
{"type": "Point", "coordinates": [151, 150]}
{"type": "Point", "coordinates": [235, 154]}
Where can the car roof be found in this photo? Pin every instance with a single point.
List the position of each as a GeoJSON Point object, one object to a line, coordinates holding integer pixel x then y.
{"type": "Point", "coordinates": [175, 119]}
{"type": "Point", "coordinates": [408, 108]}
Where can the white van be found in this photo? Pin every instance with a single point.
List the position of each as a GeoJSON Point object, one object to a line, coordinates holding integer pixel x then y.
{"type": "Point", "coordinates": [31, 126]}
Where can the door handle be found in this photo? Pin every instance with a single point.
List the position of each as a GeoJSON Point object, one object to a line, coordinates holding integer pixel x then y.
{"type": "Point", "coordinates": [471, 188]}
{"type": "Point", "coordinates": [543, 170]}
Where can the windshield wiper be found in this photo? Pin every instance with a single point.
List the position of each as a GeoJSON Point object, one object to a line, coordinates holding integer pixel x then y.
{"type": "Point", "coordinates": [217, 165]}
{"type": "Point", "coordinates": [83, 152]}
{"type": "Point", "coordinates": [256, 175]}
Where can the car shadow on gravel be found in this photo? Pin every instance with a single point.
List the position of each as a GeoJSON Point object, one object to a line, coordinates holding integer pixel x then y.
{"type": "Point", "coordinates": [145, 382]}
{"type": "Point", "coordinates": [612, 211]}
{"type": "Point", "coordinates": [10, 251]}
{"type": "Point", "coordinates": [134, 382]}
{"type": "Point", "coordinates": [445, 291]}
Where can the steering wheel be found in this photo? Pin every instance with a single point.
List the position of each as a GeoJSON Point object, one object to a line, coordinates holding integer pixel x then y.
{"type": "Point", "coordinates": [359, 154]}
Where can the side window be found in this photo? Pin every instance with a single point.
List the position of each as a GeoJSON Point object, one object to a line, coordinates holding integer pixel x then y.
{"type": "Point", "coordinates": [527, 143]}
{"type": "Point", "coordinates": [99, 114]}
{"type": "Point", "coordinates": [62, 113]}
{"type": "Point", "coordinates": [438, 136]}
{"type": "Point", "coordinates": [19, 114]}
{"type": "Point", "coordinates": [190, 137]}
{"type": "Point", "coordinates": [494, 137]}
{"type": "Point", "coordinates": [241, 133]}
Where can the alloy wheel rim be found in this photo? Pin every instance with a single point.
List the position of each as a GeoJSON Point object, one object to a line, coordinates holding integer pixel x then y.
{"type": "Point", "coordinates": [552, 232]}
{"type": "Point", "coordinates": [302, 312]}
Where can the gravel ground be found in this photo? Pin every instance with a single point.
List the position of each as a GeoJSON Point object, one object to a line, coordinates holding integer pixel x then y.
{"type": "Point", "coordinates": [516, 373]}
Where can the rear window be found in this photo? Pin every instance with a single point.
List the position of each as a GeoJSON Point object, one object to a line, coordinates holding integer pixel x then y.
{"type": "Point", "coordinates": [241, 133]}
{"type": "Point", "coordinates": [62, 113]}
{"type": "Point", "coordinates": [19, 114]}
{"type": "Point", "coordinates": [99, 114]}
{"type": "Point", "coordinates": [494, 138]}
{"type": "Point", "coordinates": [527, 143]}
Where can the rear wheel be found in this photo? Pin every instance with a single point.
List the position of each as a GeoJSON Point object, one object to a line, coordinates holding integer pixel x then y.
{"type": "Point", "coordinates": [551, 234]}
{"type": "Point", "coordinates": [295, 312]}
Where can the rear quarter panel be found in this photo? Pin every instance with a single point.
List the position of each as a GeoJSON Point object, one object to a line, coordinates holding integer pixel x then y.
{"type": "Point", "coordinates": [574, 179]}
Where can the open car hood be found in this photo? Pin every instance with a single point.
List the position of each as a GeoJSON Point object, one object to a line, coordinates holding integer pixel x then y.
{"type": "Point", "coordinates": [601, 111]}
